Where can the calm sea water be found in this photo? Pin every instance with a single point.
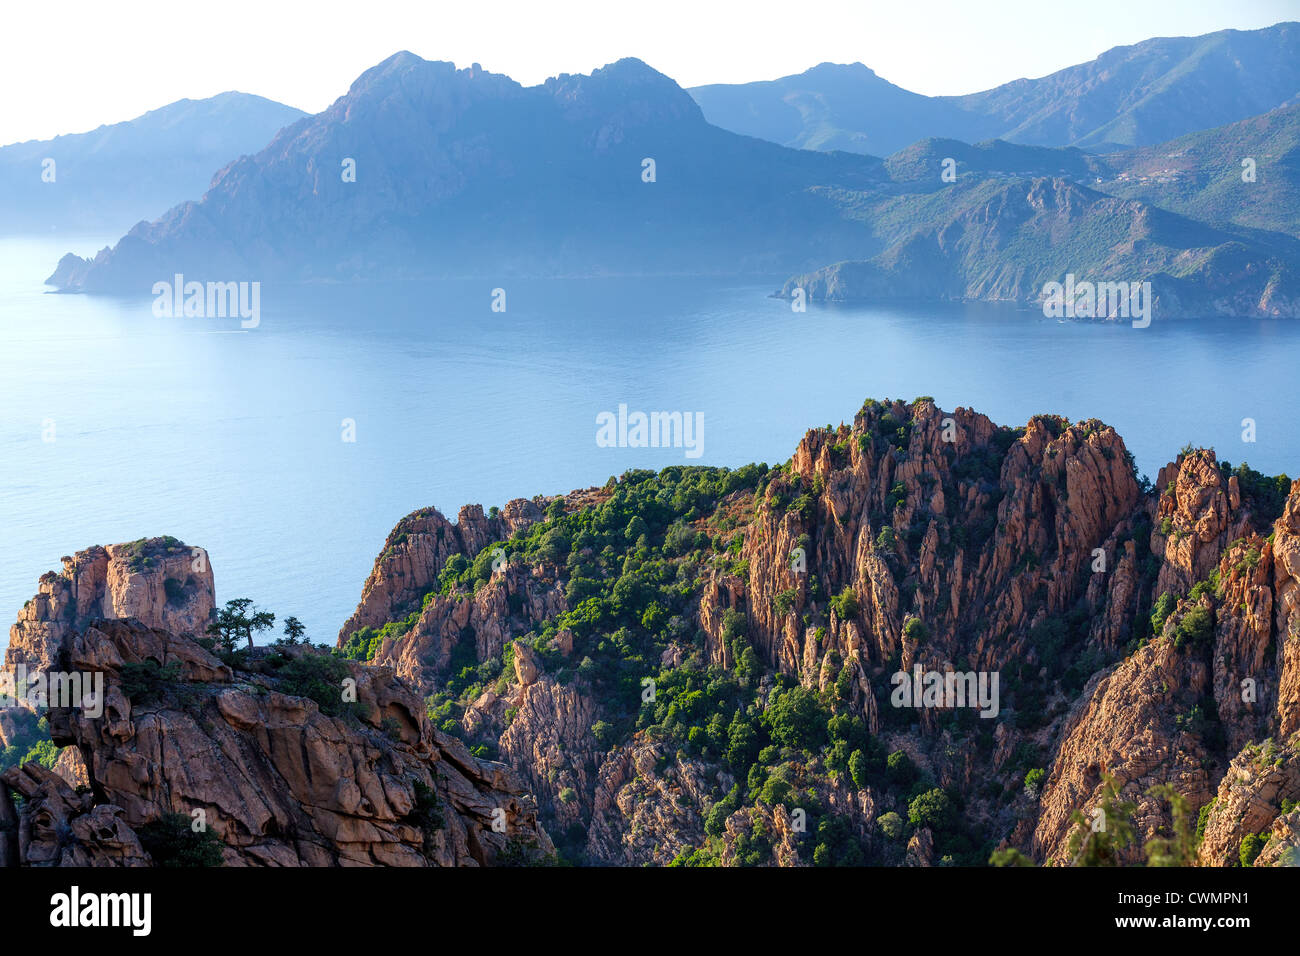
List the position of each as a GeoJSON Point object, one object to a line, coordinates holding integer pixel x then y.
{"type": "Point", "coordinates": [233, 440]}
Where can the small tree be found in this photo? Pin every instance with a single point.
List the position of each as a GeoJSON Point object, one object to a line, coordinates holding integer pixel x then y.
{"type": "Point", "coordinates": [1180, 849]}
{"type": "Point", "coordinates": [1252, 844]}
{"type": "Point", "coordinates": [915, 630]}
{"type": "Point", "coordinates": [931, 809]}
{"type": "Point", "coordinates": [1034, 782]}
{"type": "Point", "coordinates": [237, 621]}
{"type": "Point", "coordinates": [858, 769]}
{"type": "Point", "coordinates": [891, 825]}
{"type": "Point", "coordinates": [900, 768]}
{"type": "Point", "coordinates": [294, 630]}
{"type": "Point", "coordinates": [1009, 856]}
{"type": "Point", "coordinates": [845, 604]}
{"type": "Point", "coordinates": [1098, 840]}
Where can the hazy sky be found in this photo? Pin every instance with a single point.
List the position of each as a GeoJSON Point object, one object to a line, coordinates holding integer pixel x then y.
{"type": "Point", "coordinates": [70, 66]}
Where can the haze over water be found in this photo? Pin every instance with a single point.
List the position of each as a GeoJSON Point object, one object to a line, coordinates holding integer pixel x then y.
{"type": "Point", "coordinates": [231, 440]}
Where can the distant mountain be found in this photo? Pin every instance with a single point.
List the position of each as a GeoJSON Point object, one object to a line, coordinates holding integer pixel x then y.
{"type": "Point", "coordinates": [1151, 91]}
{"type": "Point", "coordinates": [1213, 236]}
{"type": "Point", "coordinates": [1129, 96]}
{"type": "Point", "coordinates": [109, 179]}
{"type": "Point", "coordinates": [1004, 239]}
{"type": "Point", "coordinates": [834, 106]}
{"type": "Point", "coordinates": [921, 164]}
{"type": "Point", "coordinates": [465, 172]}
{"type": "Point", "coordinates": [1244, 176]}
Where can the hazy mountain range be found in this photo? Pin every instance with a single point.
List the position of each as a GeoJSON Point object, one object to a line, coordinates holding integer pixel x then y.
{"type": "Point", "coordinates": [1129, 96]}
{"type": "Point", "coordinates": [1183, 215]}
{"type": "Point", "coordinates": [466, 172]}
{"type": "Point", "coordinates": [109, 179]}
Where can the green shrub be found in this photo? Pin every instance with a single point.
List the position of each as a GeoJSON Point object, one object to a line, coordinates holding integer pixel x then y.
{"type": "Point", "coordinates": [776, 790]}
{"type": "Point", "coordinates": [1196, 629]}
{"type": "Point", "coordinates": [845, 604]}
{"type": "Point", "coordinates": [891, 825]}
{"type": "Point", "coordinates": [931, 809]}
{"type": "Point", "coordinates": [1202, 819]}
{"type": "Point", "coordinates": [915, 630]}
{"type": "Point", "coordinates": [172, 842]}
{"type": "Point", "coordinates": [715, 820]}
{"type": "Point", "coordinates": [1252, 844]}
{"type": "Point", "coordinates": [143, 684]}
{"type": "Point", "coordinates": [426, 814]}
{"type": "Point", "coordinates": [900, 769]}
{"type": "Point", "coordinates": [858, 768]}
{"type": "Point", "coordinates": [1160, 612]}
{"type": "Point", "coordinates": [318, 677]}
{"type": "Point", "coordinates": [1034, 781]}
{"type": "Point", "coordinates": [797, 719]}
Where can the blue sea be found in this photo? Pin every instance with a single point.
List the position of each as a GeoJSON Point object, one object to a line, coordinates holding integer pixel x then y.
{"type": "Point", "coordinates": [116, 424]}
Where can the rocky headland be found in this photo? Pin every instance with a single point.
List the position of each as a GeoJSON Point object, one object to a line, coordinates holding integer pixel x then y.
{"type": "Point", "coordinates": [700, 666]}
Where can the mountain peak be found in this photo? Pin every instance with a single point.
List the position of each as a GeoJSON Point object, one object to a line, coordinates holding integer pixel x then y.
{"type": "Point", "coordinates": [627, 91]}
{"type": "Point", "coordinates": [402, 63]}
{"type": "Point", "coordinates": [628, 68]}
{"type": "Point", "coordinates": [857, 68]}
{"type": "Point", "coordinates": [627, 71]}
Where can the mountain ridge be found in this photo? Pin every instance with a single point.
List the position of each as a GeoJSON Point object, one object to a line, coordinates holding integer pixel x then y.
{"type": "Point", "coordinates": [116, 175]}
{"type": "Point", "coordinates": [1133, 95]}
{"type": "Point", "coordinates": [509, 167]}
{"type": "Point", "coordinates": [464, 172]}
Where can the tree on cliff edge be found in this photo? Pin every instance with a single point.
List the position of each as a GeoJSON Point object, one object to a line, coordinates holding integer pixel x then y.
{"type": "Point", "coordinates": [238, 620]}
{"type": "Point", "coordinates": [294, 630]}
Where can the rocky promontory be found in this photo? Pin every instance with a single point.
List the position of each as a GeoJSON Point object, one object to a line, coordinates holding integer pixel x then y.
{"type": "Point", "coordinates": [281, 756]}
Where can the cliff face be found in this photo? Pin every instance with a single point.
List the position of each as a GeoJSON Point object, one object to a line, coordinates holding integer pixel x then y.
{"type": "Point", "coordinates": [993, 552]}
{"type": "Point", "coordinates": [911, 538]}
{"type": "Point", "coordinates": [293, 757]}
{"type": "Point", "coordinates": [159, 581]}
{"type": "Point", "coordinates": [1258, 780]}
{"type": "Point", "coordinates": [1128, 728]}
{"type": "Point", "coordinates": [418, 549]}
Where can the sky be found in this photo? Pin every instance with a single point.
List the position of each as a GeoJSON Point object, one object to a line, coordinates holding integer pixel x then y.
{"type": "Point", "coordinates": [72, 66]}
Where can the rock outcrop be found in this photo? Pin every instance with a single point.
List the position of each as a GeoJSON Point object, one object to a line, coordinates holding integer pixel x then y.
{"type": "Point", "coordinates": [160, 582]}
{"type": "Point", "coordinates": [1128, 729]}
{"type": "Point", "coordinates": [294, 757]}
{"type": "Point", "coordinates": [418, 549]}
{"type": "Point", "coordinates": [911, 538]}
{"type": "Point", "coordinates": [1249, 802]}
